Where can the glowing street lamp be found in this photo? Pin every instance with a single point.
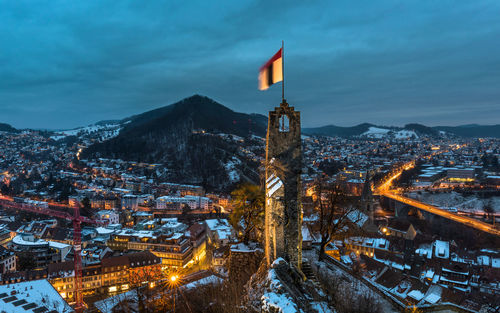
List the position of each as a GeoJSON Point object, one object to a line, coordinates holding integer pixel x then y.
{"type": "Point", "coordinates": [173, 279]}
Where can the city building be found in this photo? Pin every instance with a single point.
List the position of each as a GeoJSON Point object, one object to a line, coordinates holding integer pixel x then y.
{"type": "Point", "coordinates": [108, 216]}
{"type": "Point", "coordinates": [399, 228]}
{"type": "Point", "coordinates": [174, 249]}
{"type": "Point", "coordinates": [7, 260]}
{"type": "Point", "coordinates": [35, 248]}
{"type": "Point", "coordinates": [366, 246]}
{"type": "Point", "coordinates": [130, 202]}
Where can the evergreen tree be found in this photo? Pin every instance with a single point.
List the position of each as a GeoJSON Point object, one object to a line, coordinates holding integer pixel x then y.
{"type": "Point", "coordinates": [248, 211]}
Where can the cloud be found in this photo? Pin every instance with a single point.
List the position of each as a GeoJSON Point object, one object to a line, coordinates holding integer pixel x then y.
{"type": "Point", "coordinates": [388, 62]}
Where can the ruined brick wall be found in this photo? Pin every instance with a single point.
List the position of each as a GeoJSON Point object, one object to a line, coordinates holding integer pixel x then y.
{"type": "Point", "coordinates": [284, 210]}
{"type": "Point", "coordinates": [243, 264]}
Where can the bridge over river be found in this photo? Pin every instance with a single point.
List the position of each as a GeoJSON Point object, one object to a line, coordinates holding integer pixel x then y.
{"type": "Point", "coordinates": [404, 203]}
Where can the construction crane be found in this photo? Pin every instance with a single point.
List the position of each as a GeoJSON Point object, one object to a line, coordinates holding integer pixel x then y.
{"type": "Point", "coordinates": [77, 220]}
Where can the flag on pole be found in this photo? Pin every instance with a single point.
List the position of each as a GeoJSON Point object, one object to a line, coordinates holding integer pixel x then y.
{"type": "Point", "coordinates": [272, 71]}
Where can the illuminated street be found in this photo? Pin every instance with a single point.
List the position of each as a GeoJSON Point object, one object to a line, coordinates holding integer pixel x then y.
{"type": "Point", "coordinates": [384, 190]}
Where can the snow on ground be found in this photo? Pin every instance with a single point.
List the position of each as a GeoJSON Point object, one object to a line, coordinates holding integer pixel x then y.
{"type": "Point", "coordinates": [57, 137]}
{"type": "Point", "coordinates": [321, 307]}
{"type": "Point", "coordinates": [231, 170]}
{"type": "Point", "coordinates": [456, 200]}
{"type": "Point", "coordinates": [403, 134]}
{"type": "Point", "coordinates": [210, 280]}
{"type": "Point", "coordinates": [108, 305]}
{"type": "Point", "coordinates": [255, 137]}
{"type": "Point", "coordinates": [87, 129]}
{"type": "Point", "coordinates": [274, 299]}
{"type": "Point", "coordinates": [375, 132]}
{"type": "Point", "coordinates": [230, 137]}
{"type": "Point", "coordinates": [106, 131]}
{"type": "Point", "coordinates": [348, 283]}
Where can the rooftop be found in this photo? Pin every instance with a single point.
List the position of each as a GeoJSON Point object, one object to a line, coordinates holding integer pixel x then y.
{"type": "Point", "coordinates": [32, 296]}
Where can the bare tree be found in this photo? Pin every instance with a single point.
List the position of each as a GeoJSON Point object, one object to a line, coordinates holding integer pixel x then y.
{"type": "Point", "coordinates": [490, 211]}
{"type": "Point", "coordinates": [333, 206]}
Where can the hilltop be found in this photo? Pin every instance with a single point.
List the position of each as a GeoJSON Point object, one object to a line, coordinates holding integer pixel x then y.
{"type": "Point", "coordinates": [197, 138]}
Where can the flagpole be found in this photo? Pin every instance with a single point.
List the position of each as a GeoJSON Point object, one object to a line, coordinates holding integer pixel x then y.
{"type": "Point", "coordinates": [283, 71]}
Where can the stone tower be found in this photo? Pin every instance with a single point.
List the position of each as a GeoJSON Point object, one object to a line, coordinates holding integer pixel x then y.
{"type": "Point", "coordinates": [367, 203]}
{"type": "Point", "coordinates": [283, 229]}
{"type": "Point", "coordinates": [367, 196]}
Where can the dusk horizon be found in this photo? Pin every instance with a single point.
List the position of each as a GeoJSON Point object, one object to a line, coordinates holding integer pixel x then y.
{"type": "Point", "coordinates": [386, 63]}
{"type": "Point", "coordinates": [339, 123]}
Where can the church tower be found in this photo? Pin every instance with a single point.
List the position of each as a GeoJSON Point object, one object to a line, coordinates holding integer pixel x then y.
{"type": "Point", "coordinates": [283, 219]}
{"type": "Point", "coordinates": [368, 203]}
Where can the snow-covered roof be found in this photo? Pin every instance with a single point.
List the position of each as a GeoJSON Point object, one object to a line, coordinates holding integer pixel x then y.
{"type": "Point", "coordinates": [241, 247]}
{"type": "Point", "coordinates": [104, 230]}
{"type": "Point", "coordinates": [346, 259]}
{"type": "Point", "coordinates": [357, 217]}
{"type": "Point", "coordinates": [483, 260]}
{"type": "Point", "coordinates": [28, 241]}
{"type": "Point", "coordinates": [172, 223]}
{"type": "Point", "coordinates": [429, 274]}
{"type": "Point", "coordinates": [424, 250]}
{"type": "Point", "coordinates": [58, 245]}
{"type": "Point", "coordinates": [221, 226]}
{"type": "Point", "coordinates": [432, 298]}
{"type": "Point", "coordinates": [32, 296]}
{"type": "Point", "coordinates": [441, 249]}
{"type": "Point", "coordinates": [136, 233]}
{"type": "Point", "coordinates": [416, 294]}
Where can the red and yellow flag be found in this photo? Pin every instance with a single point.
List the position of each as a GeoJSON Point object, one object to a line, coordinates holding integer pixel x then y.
{"type": "Point", "coordinates": [272, 71]}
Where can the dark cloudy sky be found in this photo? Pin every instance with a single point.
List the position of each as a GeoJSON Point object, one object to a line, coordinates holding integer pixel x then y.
{"type": "Point", "coordinates": [70, 63]}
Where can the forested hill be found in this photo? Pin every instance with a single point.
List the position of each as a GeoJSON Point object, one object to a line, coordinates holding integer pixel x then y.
{"type": "Point", "coordinates": [371, 130]}
{"type": "Point", "coordinates": [7, 128]}
{"type": "Point", "coordinates": [184, 136]}
{"type": "Point", "coordinates": [198, 112]}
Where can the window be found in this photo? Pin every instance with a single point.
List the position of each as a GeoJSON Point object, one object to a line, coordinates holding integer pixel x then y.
{"type": "Point", "coordinates": [284, 126]}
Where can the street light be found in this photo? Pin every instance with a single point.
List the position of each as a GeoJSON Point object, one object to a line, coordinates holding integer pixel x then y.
{"type": "Point", "coordinates": [173, 281]}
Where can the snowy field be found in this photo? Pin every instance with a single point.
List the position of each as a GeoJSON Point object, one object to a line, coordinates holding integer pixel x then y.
{"type": "Point", "coordinates": [456, 200]}
{"type": "Point", "coordinates": [377, 132]}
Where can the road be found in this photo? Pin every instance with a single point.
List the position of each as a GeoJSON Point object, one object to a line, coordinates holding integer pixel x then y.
{"type": "Point", "coordinates": [384, 190]}
{"type": "Point", "coordinates": [446, 214]}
